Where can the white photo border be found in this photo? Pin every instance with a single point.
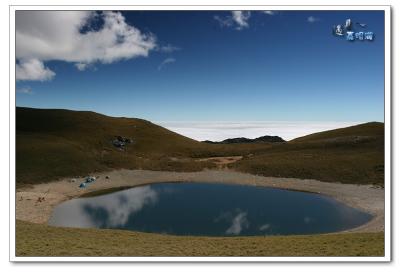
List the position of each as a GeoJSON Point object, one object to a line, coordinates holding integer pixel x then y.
{"type": "Point", "coordinates": [387, 123]}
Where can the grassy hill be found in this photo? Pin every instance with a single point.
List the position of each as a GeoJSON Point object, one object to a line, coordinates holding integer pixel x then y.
{"type": "Point", "coordinates": [58, 143]}
{"type": "Point", "coordinates": [41, 240]}
{"type": "Point", "coordinates": [355, 133]}
{"type": "Point", "coordinates": [51, 144]}
{"type": "Point", "coordinates": [348, 155]}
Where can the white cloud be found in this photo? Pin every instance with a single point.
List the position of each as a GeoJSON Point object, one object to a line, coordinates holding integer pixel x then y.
{"type": "Point", "coordinates": [224, 21]}
{"type": "Point", "coordinates": [237, 18]}
{"type": "Point", "coordinates": [33, 69]}
{"type": "Point", "coordinates": [218, 131]}
{"type": "Point", "coordinates": [269, 12]}
{"type": "Point", "coordinates": [239, 223]}
{"type": "Point", "coordinates": [81, 66]}
{"type": "Point", "coordinates": [57, 35]}
{"type": "Point", "coordinates": [165, 62]}
{"type": "Point", "coordinates": [168, 48]}
{"type": "Point", "coordinates": [25, 90]}
{"type": "Point", "coordinates": [241, 17]}
{"type": "Point", "coordinates": [312, 19]}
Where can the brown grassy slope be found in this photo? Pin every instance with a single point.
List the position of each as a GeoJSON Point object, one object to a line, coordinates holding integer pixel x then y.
{"type": "Point", "coordinates": [40, 240]}
{"type": "Point", "coordinates": [363, 132]}
{"type": "Point", "coordinates": [52, 144]}
{"type": "Point", "coordinates": [348, 155]}
{"type": "Point", "coordinates": [57, 143]}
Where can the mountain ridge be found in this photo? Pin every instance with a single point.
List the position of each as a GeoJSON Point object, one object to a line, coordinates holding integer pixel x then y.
{"type": "Point", "coordinates": [262, 139]}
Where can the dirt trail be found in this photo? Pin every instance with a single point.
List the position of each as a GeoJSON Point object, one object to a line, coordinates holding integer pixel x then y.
{"type": "Point", "coordinates": [222, 162]}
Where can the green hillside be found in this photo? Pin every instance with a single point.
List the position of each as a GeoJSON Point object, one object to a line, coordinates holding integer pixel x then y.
{"type": "Point", "coordinates": [52, 144]}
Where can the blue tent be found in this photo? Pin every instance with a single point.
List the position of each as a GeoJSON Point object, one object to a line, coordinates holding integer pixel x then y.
{"type": "Point", "coordinates": [82, 185]}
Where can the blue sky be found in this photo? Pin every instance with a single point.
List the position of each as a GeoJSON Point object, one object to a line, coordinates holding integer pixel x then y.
{"type": "Point", "coordinates": [209, 65]}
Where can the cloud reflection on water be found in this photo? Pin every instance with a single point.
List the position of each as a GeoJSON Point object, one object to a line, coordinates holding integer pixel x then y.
{"type": "Point", "coordinates": [206, 209]}
{"type": "Point", "coordinates": [239, 223]}
{"type": "Point", "coordinates": [237, 219]}
{"type": "Point", "coordinates": [264, 227]}
{"type": "Point", "coordinates": [106, 211]}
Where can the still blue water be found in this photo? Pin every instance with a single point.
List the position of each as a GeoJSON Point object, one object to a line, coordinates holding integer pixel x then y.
{"type": "Point", "coordinates": [209, 209]}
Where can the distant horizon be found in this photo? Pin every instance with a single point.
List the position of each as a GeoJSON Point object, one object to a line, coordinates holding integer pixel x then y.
{"type": "Point", "coordinates": [221, 130]}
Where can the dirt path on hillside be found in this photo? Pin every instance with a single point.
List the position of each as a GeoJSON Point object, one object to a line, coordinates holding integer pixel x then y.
{"type": "Point", "coordinates": [35, 204]}
{"type": "Point", "coordinates": [222, 162]}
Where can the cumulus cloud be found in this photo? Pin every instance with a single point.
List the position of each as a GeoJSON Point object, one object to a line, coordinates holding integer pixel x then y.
{"type": "Point", "coordinates": [33, 69]}
{"type": "Point", "coordinates": [24, 90]}
{"type": "Point", "coordinates": [239, 223]}
{"type": "Point", "coordinates": [165, 62]}
{"type": "Point", "coordinates": [312, 19]}
{"type": "Point", "coordinates": [238, 19]}
{"type": "Point", "coordinates": [218, 131]}
{"type": "Point", "coordinates": [59, 35]}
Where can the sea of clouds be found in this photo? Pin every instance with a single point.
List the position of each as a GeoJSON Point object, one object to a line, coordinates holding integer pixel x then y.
{"type": "Point", "coordinates": [218, 131]}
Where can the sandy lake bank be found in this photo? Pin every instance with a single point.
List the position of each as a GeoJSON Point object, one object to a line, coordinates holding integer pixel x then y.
{"type": "Point", "coordinates": [31, 207]}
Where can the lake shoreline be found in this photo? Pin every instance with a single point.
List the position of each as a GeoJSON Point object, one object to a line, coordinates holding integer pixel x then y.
{"type": "Point", "coordinates": [36, 203]}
